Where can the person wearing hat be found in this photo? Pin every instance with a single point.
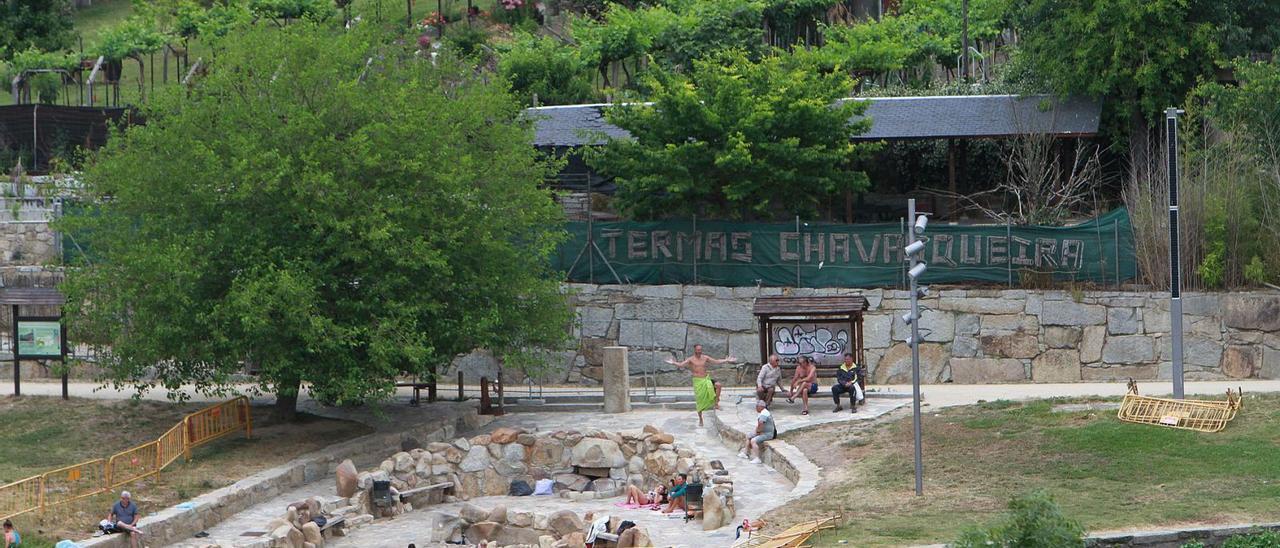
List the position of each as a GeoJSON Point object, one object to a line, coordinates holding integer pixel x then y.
{"type": "Point", "coordinates": [124, 516]}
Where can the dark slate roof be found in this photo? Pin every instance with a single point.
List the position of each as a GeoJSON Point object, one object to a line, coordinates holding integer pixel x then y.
{"type": "Point", "coordinates": [971, 116]}
{"type": "Point", "coordinates": [809, 306]}
{"type": "Point", "coordinates": [893, 118]}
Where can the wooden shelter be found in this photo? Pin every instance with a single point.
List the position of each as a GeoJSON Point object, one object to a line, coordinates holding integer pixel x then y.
{"type": "Point", "coordinates": [813, 326]}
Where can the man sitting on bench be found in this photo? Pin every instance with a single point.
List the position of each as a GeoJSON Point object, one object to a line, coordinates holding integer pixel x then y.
{"type": "Point", "coordinates": [847, 382]}
{"type": "Point", "coordinates": [804, 382]}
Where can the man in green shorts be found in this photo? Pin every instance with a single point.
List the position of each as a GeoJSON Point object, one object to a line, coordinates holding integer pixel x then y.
{"type": "Point", "coordinates": [705, 392]}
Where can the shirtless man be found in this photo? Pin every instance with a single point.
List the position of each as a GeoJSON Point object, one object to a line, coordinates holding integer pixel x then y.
{"type": "Point", "coordinates": [705, 392]}
{"type": "Point", "coordinates": [804, 383]}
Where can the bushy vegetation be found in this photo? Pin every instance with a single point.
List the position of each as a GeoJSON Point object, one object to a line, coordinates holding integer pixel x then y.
{"type": "Point", "coordinates": [1034, 521]}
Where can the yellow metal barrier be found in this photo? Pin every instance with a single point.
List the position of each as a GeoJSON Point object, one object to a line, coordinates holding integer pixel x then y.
{"type": "Point", "coordinates": [20, 497]}
{"type": "Point", "coordinates": [73, 482]}
{"type": "Point", "coordinates": [97, 476]}
{"type": "Point", "coordinates": [1199, 415]}
{"type": "Point", "coordinates": [131, 464]}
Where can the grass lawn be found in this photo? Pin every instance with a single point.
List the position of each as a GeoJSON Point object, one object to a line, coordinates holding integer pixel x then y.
{"type": "Point", "coordinates": [1104, 473]}
{"type": "Point", "coordinates": [40, 434]}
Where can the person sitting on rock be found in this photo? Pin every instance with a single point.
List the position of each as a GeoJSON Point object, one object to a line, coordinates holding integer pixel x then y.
{"type": "Point", "coordinates": [124, 516]}
{"type": "Point", "coordinates": [639, 498]}
{"type": "Point", "coordinates": [766, 430]}
{"type": "Point", "coordinates": [676, 495]}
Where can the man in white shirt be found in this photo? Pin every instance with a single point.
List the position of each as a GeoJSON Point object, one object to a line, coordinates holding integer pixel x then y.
{"type": "Point", "coordinates": [768, 379]}
{"type": "Point", "coordinates": [765, 431]}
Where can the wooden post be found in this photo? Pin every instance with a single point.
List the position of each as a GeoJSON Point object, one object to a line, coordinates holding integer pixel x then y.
{"type": "Point", "coordinates": [764, 338]}
{"type": "Point", "coordinates": [484, 396]}
{"type": "Point", "coordinates": [62, 326]}
{"type": "Point", "coordinates": [461, 396]}
{"type": "Point", "coordinates": [187, 434]}
{"type": "Point", "coordinates": [248, 418]}
{"type": "Point", "coordinates": [431, 388]}
{"type": "Point", "coordinates": [500, 398]}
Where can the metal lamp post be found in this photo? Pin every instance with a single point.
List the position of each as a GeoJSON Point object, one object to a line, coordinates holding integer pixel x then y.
{"type": "Point", "coordinates": [1175, 266]}
{"type": "Point", "coordinates": [914, 251]}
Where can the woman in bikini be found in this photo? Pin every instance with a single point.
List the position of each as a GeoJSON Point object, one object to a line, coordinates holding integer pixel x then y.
{"type": "Point", "coordinates": [640, 498]}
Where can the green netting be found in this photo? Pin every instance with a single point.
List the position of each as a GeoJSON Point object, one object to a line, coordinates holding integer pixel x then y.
{"type": "Point", "coordinates": [728, 253]}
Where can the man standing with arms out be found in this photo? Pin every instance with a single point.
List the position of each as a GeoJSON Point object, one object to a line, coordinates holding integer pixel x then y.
{"type": "Point", "coordinates": [124, 515]}
{"type": "Point", "coordinates": [705, 393]}
{"type": "Point", "coordinates": [765, 431]}
{"type": "Point", "coordinates": [768, 379]}
{"type": "Point", "coordinates": [847, 382]}
{"type": "Point", "coordinates": [804, 382]}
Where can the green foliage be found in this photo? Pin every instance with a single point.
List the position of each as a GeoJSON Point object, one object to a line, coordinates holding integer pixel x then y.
{"type": "Point", "coordinates": [132, 38]}
{"type": "Point", "coordinates": [701, 29]}
{"type": "Point", "coordinates": [891, 43]}
{"type": "Point", "coordinates": [542, 65]}
{"type": "Point", "coordinates": [736, 139]}
{"type": "Point", "coordinates": [45, 87]}
{"type": "Point", "coordinates": [286, 10]}
{"type": "Point", "coordinates": [624, 34]}
{"type": "Point", "coordinates": [40, 24]}
{"type": "Point", "coordinates": [275, 214]}
{"type": "Point", "coordinates": [1256, 272]}
{"type": "Point", "coordinates": [1144, 54]}
{"type": "Point", "coordinates": [1034, 521]}
{"type": "Point", "coordinates": [467, 40]}
{"type": "Point", "coordinates": [786, 17]}
{"type": "Point", "coordinates": [941, 19]}
{"type": "Point", "coordinates": [1265, 539]}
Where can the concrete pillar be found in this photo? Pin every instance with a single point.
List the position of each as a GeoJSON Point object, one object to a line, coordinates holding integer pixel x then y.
{"type": "Point", "coordinates": [617, 380]}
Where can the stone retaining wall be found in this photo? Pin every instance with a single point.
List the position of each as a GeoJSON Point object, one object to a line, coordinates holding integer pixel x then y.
{"type": "Point", "coordinates": [971, 335]}
{"type": "Point", "coordinates": [28, 243]}
{"type": "Point", "coordinates": [1174, 538]}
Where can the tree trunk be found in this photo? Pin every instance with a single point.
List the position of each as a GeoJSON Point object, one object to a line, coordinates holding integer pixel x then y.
{"type": "Point", "coordinates": [286, 407]}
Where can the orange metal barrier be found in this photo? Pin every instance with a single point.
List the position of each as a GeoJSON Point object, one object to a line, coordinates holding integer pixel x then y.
{"type": "Point", "coordinates": [72, 482]}
{"type": "Point", "coordinates": [96, 476]}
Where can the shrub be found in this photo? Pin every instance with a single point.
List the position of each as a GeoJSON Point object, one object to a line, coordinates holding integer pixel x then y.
{"type": "Point", "coordinates": [1034, 521]}
{"type": "Point", "coordinates": [467, 40]}
{"type": "Point", "coordinates": [1267, 539]}
{"type": "Point", "coordinates": [543, 66]}
{"type": "Point", "coordinates": [130, 39]}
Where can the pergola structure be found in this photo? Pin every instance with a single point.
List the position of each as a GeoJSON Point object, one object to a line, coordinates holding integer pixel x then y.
{"type": "Point", "coordinates": [794, 326]}
{"type": "Point", "coordinates": [17, 298]}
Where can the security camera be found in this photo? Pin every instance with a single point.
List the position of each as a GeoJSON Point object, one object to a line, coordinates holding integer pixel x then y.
{"type": "Point", "coordinates": [914, 247]}
{"type": "Point", "coordinates": [917, 270]}
{"type": "Point", "coordinates": [921, 222]}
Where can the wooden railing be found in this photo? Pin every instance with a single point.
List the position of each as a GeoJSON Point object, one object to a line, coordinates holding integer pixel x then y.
{"type": "Point", "coordinates": [90, 478]}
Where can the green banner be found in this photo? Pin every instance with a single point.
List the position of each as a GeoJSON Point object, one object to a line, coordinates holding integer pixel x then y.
{"type": "Point", "coordinates": [727, 253]}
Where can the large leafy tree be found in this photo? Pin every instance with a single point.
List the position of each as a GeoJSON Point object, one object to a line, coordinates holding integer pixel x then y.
{"type": "Point", "coordinates": [1140, 55]}
{"type": "Point", "coordinates": [333, 221]}
{"type": "Point", "coordinates": [736, 138]}
{"type": "Point", "coordinates": [41, 24]}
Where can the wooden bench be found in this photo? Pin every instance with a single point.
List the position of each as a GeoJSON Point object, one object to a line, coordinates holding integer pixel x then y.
{"type": "Point", "coordinates": [333, 524]}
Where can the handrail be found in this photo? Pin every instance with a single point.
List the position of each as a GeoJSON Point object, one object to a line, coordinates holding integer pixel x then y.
{"type": "Point", "coordinates": [71, 483]}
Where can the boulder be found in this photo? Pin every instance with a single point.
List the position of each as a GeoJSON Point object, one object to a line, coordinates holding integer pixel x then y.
{"type": "Point", "coordinates": [986, 370]}
{"type": "Point", "coordinates": [520, 519]}
{"type": "Point", "coordinates": [472, 513]}
{"type": "Point", "coordinates": [660, 463]}
{"type": "Point", "coordinates": [497, 514]}
{"type": "Point", "coordinates": [311, 532]}
{"type": "Point", "coordinates": [1091, 344]}
{"type": "Point", "coordinates": [453, 455]}
{"type": "Point", "coordinates": [482, 439]}
{"type": "Point", "coordinates": [483, 531]}
{"type": "Point", "coordinates": [402, 462]}
{"type": "Point", "coordinates": [546, 452]}
{"type": "Point", "coordinates": [714, 513]}
{"type": "Point", "coordinates": [526, 439]}
{"type": "Point", "coordinates": [1018, 345]}
{"type": "Point", "coordinates": [296, 537]}
{"type": "Point", "coordinates": [513, 452]}
{"type": "Point", "coordinates": [546, 541]}
{"type": "Point", "coordinates": [437, 446]}
{"type": "Point", "coordinates": [575, 540]}
{"type": "Point", "coordinates": [597, 453]}
{"type": "Point", "coordinates": [1056, 366]}
{"type": "Point", "coordinates": [1123, 321]}
{"type": "Point", "coordinates": [1061, 337]}
{"type": "Point", "coordinates": [387, 466]}
{"type": "Point", "coordinates": [409, 443]}
{"type": "Point", "coordinates": [494, 484]}
{"type": "Point", "coordinates": [477, 459]}
{"type": "Point", "coordinates": [509, 468]}
{"type": "Point", "coordinates": [1241, 362]}
{"type": "Point", "coordinates": [347, 477]}
{"type": "Point", "coordinates": [1128, 349]}
{"type": "Point", "coordinates": [504, 435]}
{"type": "Point", "coordinates": [462, 443]}
{"type": "Point", "coordinates": [895, 366]}
{"type": "Point", "coordinates": [564, 522]}
{"type": "Point", "coordinates": [1072, 313]}
{"type": "Point", "coordinates": [663, 438]}
{"type": "Point", "coordinates": [1254, 312]}
{"type": "Point", "coordinates": [572, 482]}
{"type": "Point", "coordinates": [651, 429]}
